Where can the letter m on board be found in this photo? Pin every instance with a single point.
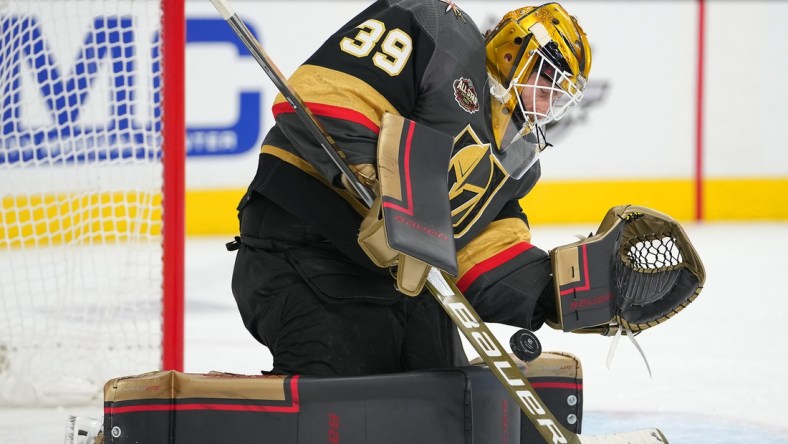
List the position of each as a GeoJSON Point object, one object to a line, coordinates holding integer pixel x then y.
{"type": "Point", "coordinates": [64, 92]}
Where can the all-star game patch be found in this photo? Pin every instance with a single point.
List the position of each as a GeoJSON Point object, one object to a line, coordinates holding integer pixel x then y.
{"type": "Point", "coordinates": [465, 95]}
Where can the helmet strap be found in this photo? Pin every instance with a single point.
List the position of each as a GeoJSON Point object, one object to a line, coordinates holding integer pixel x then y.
{"type": "Point", "coordinates": [541, 138]}
{"type": "Point", "coordinates": [497, 90]}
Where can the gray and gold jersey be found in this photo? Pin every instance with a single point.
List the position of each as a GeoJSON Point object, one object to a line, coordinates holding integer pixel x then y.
{"type": "Point", "coordinates": [424, 60]}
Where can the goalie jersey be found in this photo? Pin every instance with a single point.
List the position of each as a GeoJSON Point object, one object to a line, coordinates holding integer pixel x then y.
{"type": "Point", "coordinates": [423, 60]}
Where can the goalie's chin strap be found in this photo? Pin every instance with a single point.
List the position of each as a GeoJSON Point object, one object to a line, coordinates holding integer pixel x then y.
{"type": "Point", "coordinates": [614, 345]}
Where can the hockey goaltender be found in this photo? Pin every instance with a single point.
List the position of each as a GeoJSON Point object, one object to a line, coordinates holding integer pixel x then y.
{"type": "Point", "coordinates": [305, 286]}
{"type": "Point", "coordinates": [401, 150]}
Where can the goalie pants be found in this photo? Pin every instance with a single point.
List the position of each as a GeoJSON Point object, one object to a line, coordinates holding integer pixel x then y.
{"type": "Point", "coordinates": [321, 314]}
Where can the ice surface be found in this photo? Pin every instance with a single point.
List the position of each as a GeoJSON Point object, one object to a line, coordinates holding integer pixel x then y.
{"type": "Point", "coordinates": [719, 367]}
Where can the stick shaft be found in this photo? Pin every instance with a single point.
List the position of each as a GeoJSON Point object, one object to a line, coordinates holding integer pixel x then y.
{"type": "Point", "coordinates": [496, 358]}
{"type": "Point", "coordinates": [303, 112]}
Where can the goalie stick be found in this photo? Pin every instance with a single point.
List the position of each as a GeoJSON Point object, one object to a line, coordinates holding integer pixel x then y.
{"type": "Point", "coordinates": [438, 283]}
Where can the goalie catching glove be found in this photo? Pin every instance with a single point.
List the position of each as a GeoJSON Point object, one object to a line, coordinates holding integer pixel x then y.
{"type": "Point", "coordinates": [639, 270]}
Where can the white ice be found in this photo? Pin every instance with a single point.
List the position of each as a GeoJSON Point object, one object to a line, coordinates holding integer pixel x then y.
{"type": "Point", "coordinates": [718, 367]}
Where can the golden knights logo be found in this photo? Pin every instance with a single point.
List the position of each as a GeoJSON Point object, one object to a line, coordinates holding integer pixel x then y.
{"type": "Point", "coordinates": [475, 176]}
{"type": "Point", "coordinates": [465, 95]}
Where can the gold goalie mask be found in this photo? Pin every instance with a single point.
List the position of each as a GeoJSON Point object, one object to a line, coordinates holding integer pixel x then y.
{"type": "Point", "coordinates": [538, 61]}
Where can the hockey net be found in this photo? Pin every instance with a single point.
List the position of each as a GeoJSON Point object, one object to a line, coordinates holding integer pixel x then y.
{"type": "Point", "coordinates": [91, 220]}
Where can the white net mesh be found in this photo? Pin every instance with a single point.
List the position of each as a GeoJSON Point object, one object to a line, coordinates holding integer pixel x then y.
{"type": "Point", "coordinates": [81, 180]}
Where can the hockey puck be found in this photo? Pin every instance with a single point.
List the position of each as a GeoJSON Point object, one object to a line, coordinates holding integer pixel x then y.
{"type": "Point", "coordinates": [525, 345]}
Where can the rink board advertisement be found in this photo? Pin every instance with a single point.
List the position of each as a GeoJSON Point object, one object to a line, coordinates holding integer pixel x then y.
{"type": "Point", "coordinates": [636, 138]}
{"type": "Point", "coordinates": [461, 405]}
{"type": "Point", "coordinates": [634, 141]}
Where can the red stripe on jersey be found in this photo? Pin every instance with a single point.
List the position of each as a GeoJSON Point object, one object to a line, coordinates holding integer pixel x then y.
{"type": "Point", "coordinates": [490, 263]}
{"type": "Point", "coordinates": [336, 112]}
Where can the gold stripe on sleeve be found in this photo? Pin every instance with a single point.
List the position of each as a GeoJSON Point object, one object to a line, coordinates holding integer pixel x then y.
{"type": "Point", "coordinates": [335, 88]}
{"type": "Point", "coordinates": [497, 237]}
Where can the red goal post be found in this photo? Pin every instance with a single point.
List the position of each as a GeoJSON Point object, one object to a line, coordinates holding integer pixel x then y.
{"type": "Point", "coordinates": [174, 37]}
{"type": "Point", "coordinates": [92, 160]}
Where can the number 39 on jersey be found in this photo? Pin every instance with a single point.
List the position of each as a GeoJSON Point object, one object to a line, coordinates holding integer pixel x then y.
{"type": "Point", "coordinates": [394, 51]}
